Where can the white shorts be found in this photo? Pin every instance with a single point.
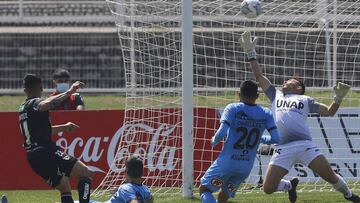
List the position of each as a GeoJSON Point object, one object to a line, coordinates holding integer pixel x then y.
{"type": "Point", "coordinates": [302, 151]}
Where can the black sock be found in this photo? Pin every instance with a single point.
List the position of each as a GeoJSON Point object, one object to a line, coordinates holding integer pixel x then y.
{"type": "Point", "coordinates": [66, 198]}
{"type": "Point", "coordinates": [84, 190]}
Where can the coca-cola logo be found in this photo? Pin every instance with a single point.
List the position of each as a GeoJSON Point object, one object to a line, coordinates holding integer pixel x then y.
{"type": "Point", "coordinates": [157, 154]}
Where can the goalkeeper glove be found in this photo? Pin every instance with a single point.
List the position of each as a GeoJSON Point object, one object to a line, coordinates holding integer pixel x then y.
{"type": "Point", "coordinates": [340, 91]}
{"type": "Point", "coordinates": [248, 45]}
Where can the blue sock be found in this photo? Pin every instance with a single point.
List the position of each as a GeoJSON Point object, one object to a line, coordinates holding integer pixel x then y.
{"type": "Point", "coordinates": [207, 197]}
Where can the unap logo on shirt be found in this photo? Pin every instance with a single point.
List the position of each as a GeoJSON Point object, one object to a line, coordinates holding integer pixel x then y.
{"type": "Point", "coordinates": [289, 104]}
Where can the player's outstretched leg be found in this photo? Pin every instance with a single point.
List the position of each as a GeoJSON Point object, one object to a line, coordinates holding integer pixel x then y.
{"type": "Point", "coordinates": [83, 174]}
{"type": "Point", "coordinates": [321, 166]}
{"type": "Point", "coordinates": [84, 189]}
{"type": "Point", "coordinates": [292, 192]}
{"type": "Point", "coordinates": [354, 198]}
{"type": "Point", "coordinates": [342, 187]}
{"type": "Point", "coordinates": [206, 195]}
{"type": "Point", "coordinates": [274, 180]}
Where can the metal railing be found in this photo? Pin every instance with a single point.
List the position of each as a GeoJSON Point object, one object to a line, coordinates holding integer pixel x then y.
{"type": "Point", "coordinates": [64, 11]}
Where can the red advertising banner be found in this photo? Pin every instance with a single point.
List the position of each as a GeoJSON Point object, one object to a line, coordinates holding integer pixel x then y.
{"type": "Point", "coordinates": [96, 142]}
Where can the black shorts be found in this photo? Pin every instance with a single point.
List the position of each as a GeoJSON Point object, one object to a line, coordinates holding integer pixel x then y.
{"type": "Point", "coordinates": [51, 165]}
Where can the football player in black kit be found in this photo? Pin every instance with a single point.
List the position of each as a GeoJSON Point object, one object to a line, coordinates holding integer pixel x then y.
{"type": "Point", "coordinates": [45, 158]}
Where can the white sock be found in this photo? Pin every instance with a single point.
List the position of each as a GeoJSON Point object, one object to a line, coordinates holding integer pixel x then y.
{"type": "Point", "coordinates": [342, 187]}
{"type": "Point", "coordinates": [284, 185]}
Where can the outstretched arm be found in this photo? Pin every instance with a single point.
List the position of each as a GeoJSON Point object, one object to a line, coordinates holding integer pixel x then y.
{"type": "Point", "coordinates": [340, 90]}
{"type": "Point", "coordinates": [220, 133]}
{"type": "Point", "coordinates": [68, 127]}
{"type": "Point", "coordinates": [325, 110]}
{"type": "Point", "coordinates": [52, 101]}
{"type": "Point", "coordinates": [264, 82]}
{"type": "Point", "coordinates": [249, 48]}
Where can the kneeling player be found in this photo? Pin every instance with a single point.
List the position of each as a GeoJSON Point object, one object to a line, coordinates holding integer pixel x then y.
{"type": "Point", "coordinates": [244, 124]}
{"type": "Point", "coordinates": [133, 191]}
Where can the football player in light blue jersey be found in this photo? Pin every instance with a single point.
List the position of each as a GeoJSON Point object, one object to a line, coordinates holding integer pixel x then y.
{"type": "Point", "coordinates": [242, 124]}
{"type": "Point", "coordinates": [133, 191]}
{"type": "Point", "coordinates": [291, 108]}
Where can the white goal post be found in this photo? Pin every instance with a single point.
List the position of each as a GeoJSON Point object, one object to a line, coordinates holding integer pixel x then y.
{"type": "Point", "coordinates": [181, 53]}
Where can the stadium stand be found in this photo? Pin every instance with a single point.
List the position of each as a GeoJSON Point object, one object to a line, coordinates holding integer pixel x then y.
{"type": "Point", "coordinates": [96, 57]}
{"type": "Point", "coordinates": [91, 57]}
{"type": "Point", "coordinates": [55, 13]}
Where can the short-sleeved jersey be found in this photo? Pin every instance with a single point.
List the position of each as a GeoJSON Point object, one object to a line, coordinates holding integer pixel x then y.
{"type": "Point", "coordinates": [70, 103]}
{"type": "Point", "coordinates": [290, 114]}
{"type": "Point", "coordinates": [246, 126]}
{"type": "Point", "coordinates": [132, 191]}
{"type": "Point", "coordinates": [35, 125]}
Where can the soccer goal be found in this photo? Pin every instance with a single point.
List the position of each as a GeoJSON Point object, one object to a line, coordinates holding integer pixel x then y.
{"type": "Point", "coordinates": [316, 40]}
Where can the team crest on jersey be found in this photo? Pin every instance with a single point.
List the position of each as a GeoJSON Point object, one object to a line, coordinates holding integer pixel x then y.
{"type": "Point", "coordinates": [62, 155]}
{"type": "Point", "coordinates": [216, 182]}
{"type": "Point", "coordinates": [231, 187]}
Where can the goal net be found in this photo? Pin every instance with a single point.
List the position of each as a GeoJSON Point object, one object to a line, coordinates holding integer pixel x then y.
{"type": "Point", "coordinates": [316, 40]}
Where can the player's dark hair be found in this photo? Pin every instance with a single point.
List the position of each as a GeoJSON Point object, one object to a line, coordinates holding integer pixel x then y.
{"type": "Point", "coordinates": [301, 83]}
{"type": "Point", "coordinates": [134, 167]}
{"type": "Point", "coordinates": [61, 73]}
{"type": "Point", "coordinates": [31, 81]}
{"type": "Point", "coordinates": [249, 89]}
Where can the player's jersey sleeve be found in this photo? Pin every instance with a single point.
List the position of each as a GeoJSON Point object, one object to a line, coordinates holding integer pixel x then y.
{"type": "Point", "coordinates": [35, 103]}
{"type": "Point", "coordinates": [147, 194]}
{"type": "Point", "coordinates": [79, 101]}
{"type": "Point", "coordinates": [271, 128]}
{"type": "Point", "coordinates": [220, 133]}
{"type": "Point", "coordinates": [227, 118]}
{"type": "Point", "coordinates": [228, 115]}
{"type": "Point", "coordinates": [313, 106]}
{"type": "Point", "coordinates": [270, 123]}
{"type": "Point", "coordinates": [123, 195]}
{"type": "Point", "coordinates": [271, 93]}
{"type": "Point", "coordinates": [127, 192]}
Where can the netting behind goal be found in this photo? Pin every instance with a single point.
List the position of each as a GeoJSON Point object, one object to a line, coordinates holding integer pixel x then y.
{"type": "Point", "coordinates": [316, 40]}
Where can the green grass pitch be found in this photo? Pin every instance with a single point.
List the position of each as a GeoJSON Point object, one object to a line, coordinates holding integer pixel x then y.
{"type": "Point", "coordinates": [52, 196]}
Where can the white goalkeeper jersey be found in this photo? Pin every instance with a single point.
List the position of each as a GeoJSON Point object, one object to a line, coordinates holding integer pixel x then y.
{"type": "Point", "coordinates": [290, 114]}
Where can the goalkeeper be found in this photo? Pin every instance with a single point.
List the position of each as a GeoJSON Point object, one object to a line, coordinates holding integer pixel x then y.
{"type": "Point", "coordinates": [243, 125]}
{"type": "Point", "coordinates": [291, 108]}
